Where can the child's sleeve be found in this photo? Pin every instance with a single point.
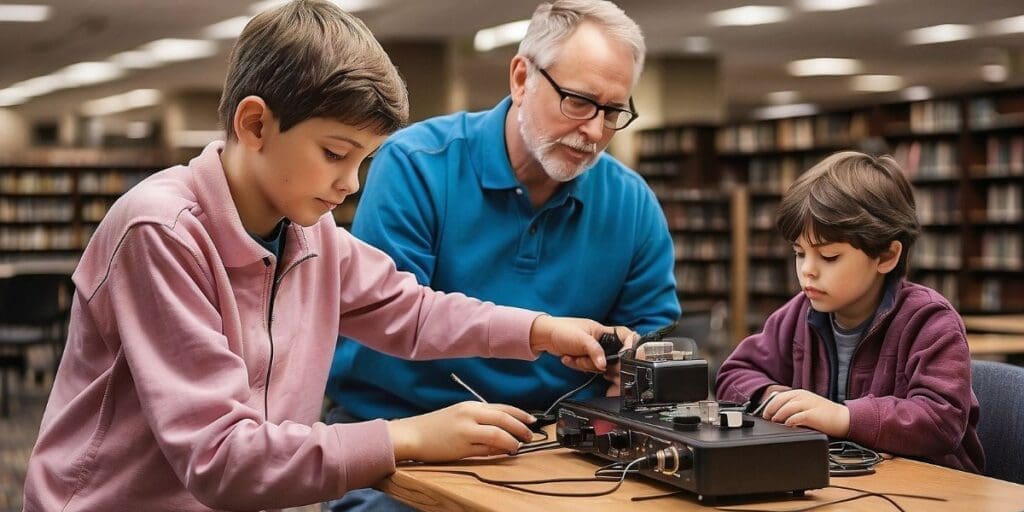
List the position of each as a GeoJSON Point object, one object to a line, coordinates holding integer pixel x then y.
{"type": "Point", "coordinates": [193, 389]}
{"type": "Point", "coordinates": [932, 418]}
{"type": "Point", "coordinates": [760, 360]}
{"type": "Point", "coordinates": [387, 310]}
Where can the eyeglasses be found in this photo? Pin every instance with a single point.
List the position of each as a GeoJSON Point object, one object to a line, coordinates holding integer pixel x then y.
{"type": "Point", "coordinates": [582, 108]}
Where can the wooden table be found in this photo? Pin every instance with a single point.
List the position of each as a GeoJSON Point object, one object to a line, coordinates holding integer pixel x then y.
{"type": "Point", "coordinates": [447, 492]}
{"type": "Point", "coordinates": [995, 335]}
{"type": "Point", "coordinates": [1007, 324]}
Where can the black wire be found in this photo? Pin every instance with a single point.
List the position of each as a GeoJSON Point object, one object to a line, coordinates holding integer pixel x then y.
{"type": "Point", "coordinates": [864, 494]}
{"type": "Point", "coordinates": [573, 392]}
{"type": "Point", "coordinates": [517, 484]}
{"type": "Point", "coordinates": [538, 447]}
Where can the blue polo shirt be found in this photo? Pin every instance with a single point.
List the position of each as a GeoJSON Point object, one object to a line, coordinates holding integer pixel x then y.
{"type": "Point", "coordinates": [442, 200]}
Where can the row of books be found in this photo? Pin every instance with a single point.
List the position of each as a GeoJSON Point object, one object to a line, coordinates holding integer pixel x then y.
{"type": "Point", "coordinates": [1004, 156]}
{"type": "Point", "coordinates": [764, 278]}
{"type": "Point", "coordinates": [762, 214]}
{"type": "Point", "coordinates": [666, 141]}
{"type": "Point", "coordinates": [938, 205]}
{"type": "Point", "coordinates": [1002, 249]}
{"type": "Point", "coordinates": [40, 238]}
{"type": "Point", "coordinates": [109, 182]}
{"type": "Point", "coordinates": [35, 209]}
{"type": "Point", "coordinates": [1005, 203]}
{"type": "Point", "coordinates": [659, 169]}
{"type": "Point", "coordinates": [769, 244]}
{"type": "Point", "coordinates": [36, 182]}
{"type": "Point", "coordinates": [696, 215]}
{"type": "Point", "coordinates": [94, 209]}
{"type": "Point", "coordinates": [702, 279]}
{"type": "Point", "coordinates": [934, 116]}
{"type": "Point", "coordinates": [944, 283]}
{"type": "Point", "coordinates": [937, 251]}
{"type": "Point", "coordinates": [702, 247]}
{"type": "Point", "coordinates": [928, 159]}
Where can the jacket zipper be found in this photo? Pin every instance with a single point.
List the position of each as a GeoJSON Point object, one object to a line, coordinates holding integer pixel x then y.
{"type": "Point", "coordinates": [276, 281]}
{"type": "Point", "coordinates": [270, 334]}
{"type": "Point", "coordinates": [871, 332]}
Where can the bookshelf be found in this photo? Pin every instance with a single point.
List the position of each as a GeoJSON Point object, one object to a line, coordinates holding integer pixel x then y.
{"type": "Point", "coordinates": [964, 156]}
{"type": "Point", "coordinates": [678, 163]}
{"type": "Point", "coordinates": [50, 211]}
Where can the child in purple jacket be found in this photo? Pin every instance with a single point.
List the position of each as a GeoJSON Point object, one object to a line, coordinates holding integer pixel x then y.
{"type": "Point", "coordinates": [861, 353]}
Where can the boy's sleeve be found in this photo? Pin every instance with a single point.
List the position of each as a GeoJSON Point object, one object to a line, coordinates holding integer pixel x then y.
{"type": "Point", "coordinates": [193, 390]}
{"type": "Point", "coordinates": [387, 310]}
{"type": "Point", "coordinates": [648, 299]}
{"type": "Point", "coordinates": [932, 418]}
{"type": "Point", "coordinates": [760, 360]}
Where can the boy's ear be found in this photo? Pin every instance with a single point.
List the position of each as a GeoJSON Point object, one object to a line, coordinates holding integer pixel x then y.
{"type": "Point", "coordinates": [891, 257]}
{"type": "Point", "coordinates": [250, 122]}
{"type": "Point", "coordinates": [517, 78]}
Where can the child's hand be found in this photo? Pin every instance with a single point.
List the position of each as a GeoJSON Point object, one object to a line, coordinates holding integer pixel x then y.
{"type": "Point", "coordinates": [802, 408]}
{"type": "Point", "coordinates": [575, 339]}
{"type": "Point", "coordinates": [462, 430]}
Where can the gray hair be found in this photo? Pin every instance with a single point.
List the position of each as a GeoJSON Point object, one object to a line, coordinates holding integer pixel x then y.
{"type": "Point", "coordinates": [554, 22]}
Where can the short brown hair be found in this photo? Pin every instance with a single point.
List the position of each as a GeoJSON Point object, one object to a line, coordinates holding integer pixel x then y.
{"type": "Point", "coordinates": [853, 198]}
{"type": "Point", "coordinates": [307, 59]}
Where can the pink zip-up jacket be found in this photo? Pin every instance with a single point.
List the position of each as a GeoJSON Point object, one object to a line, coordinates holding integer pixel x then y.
{"type": "Point", "coordinates": [193, 378]}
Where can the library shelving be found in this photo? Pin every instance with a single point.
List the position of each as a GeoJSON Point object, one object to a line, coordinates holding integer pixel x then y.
{"type": "Point", "coordinates": [678, 163]}
{"type": "Point", "coordinates": [49, 207]}
{"type": "Point", "coordinates": [964, 156]}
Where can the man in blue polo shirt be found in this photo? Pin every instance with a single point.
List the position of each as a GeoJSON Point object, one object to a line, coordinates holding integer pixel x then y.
{"type": "Point", "coordinates": [519, 205]}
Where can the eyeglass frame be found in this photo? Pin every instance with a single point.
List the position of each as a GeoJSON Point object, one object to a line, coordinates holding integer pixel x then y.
{"type": "Point", "coordinates": [597, 106]}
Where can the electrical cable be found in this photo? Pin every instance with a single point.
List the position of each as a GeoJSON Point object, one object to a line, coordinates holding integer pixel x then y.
{"type": "Point", "coordinates": [887, 496]}
{"type": "Point", "coordinates": [517, 485]}
{"type": "Point", "coordinates": [547, 412]}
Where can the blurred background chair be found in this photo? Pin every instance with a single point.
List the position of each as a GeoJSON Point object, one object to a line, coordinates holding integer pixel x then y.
{"type": "Point", "coordinates": [34, 310]}
{"type": "Point", "coordinates": [1001, 429]}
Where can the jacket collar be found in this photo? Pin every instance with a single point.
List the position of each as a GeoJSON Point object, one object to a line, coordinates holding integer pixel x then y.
{"type": "Point", "coordinates": [821, 324]}
{"type": "Point", "coordinates": [236, 247]}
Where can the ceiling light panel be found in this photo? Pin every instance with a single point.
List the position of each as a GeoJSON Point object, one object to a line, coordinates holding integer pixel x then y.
{"type": "Point", "coordinates": [825, 66]}
{"type": "Point", "coordinates": [877, 83]}
{"type": "Point", "coordinates": [24, 13]}
{"type": "Point", "coordinates": [749, 15]}
{"type": "Point", "coordinates": [939, 34]}
{"type": "Point", "coordinates": [831, 5]}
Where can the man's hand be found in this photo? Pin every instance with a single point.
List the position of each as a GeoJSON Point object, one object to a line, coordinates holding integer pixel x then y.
{"type": "Point", "coordinates": [466, 429]}
{"type": "Point", "coordinates": [802, 408]}
{"type": "Point", "coordinates": [575, 339]}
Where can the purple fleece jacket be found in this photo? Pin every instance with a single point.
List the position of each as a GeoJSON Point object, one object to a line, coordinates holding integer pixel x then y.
{"type": "Point", "coordinates": [909, 389]}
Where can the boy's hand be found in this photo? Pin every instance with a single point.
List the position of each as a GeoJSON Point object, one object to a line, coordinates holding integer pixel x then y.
{"type": "Point", "coordinates": [575, 339]}
{"type": "Point", "coordinates": [466, 429]}
{"type": "Point", "coordinates": [802, 408]}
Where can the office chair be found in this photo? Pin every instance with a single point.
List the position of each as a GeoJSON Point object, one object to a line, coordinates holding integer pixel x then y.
{"type": "Point", "coordinates": [1001, 428]}
{"type": "Point", "coordinates": [34, 310]}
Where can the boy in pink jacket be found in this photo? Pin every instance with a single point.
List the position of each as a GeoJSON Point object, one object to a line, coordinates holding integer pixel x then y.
{"type": "Point", "coordinates": [208, 303]}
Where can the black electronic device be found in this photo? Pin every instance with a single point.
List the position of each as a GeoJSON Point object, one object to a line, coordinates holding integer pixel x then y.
{"type": "Point", "coordinates": [659, 381]}
{"type": "Point", "coordinates": [711, 460]}
{"type": "Point", "coordinates": [611, 344]}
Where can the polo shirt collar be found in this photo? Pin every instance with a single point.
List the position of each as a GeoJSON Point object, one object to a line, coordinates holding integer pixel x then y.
{"type": "Point", "coordinates": [491, 161]}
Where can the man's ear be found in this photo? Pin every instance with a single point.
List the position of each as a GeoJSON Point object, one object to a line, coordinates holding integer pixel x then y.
{"type": "Point", "coordinates": [888, 260]}
{"type": "Point", "coordinates": [517, 78]}
{"type": "Point", "coordinates": [252, 117]}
